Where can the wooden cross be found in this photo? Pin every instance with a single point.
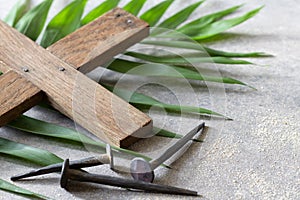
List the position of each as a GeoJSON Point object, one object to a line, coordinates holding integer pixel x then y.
{"type": "Point", "coordinates": [32, 73]}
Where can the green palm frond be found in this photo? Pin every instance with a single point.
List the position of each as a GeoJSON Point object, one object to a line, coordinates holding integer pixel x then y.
{"type": "Point", "coordinates": [153, 15]}
{"type": "Point", "coordinates": [17, 12]}
{"type": "Point", "coordinates": [28, 153]}
{"type": "Point", "coordinates": [64, 23]}
{"type": "Point", "coordinates": [134, 6]}
{"type": "Point", "coordinates": [99, 10]}
{"type": "Point", "coordinates": [8, 187]}
{"type": "Point", "coordinates": [196, 25]}
{"type": "Point", "coordinates": [32, 23]}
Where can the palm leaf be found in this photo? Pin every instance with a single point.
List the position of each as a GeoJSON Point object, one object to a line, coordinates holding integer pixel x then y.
{"type": "Point", "coordinates": [196, 25]}
{"type": "Point", "coordinates": [64, 23]}
{"type": "Point", "coordinates": [196, 46]}
{"type": "Point", "coordinates": [16, 12]}
{"type": "Point", "coordinates": [32, 23]}
{"type": "Point", "coordinates": [161, 70]}
{"type": "Point", "coordinates": [223, 25]}
{"type": "Point", "coordinates": [134, 6]}
{"type": "Point", "coordinates": [8, 187]}
{"type": "Point", "coordinates": [42, 128]}
{"type": "Point", "coordinates": [169, 134]}
{"type": "Point", "coordinates": [180, 17]}
{"type": "Point", "coordinates": [142, 102]}
{"type": "Point", "coordinates": [186, 60]}
{"type": "Point", "coordinates": [214, 52]}
{"type": "Point", "coordinates": [153, 15]}
{"type": "Point", "coordinates": [28, 153]}
{"type": "Point", "coordinates": [99, 10]}
{"type": "Point", "coordinates": [166, 133]}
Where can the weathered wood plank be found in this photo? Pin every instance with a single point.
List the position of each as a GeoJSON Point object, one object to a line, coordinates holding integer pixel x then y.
{"type": "Point", "coordinates": [4, 68]}
{"type": "Point", "coordinates": [99, 41]}
{"type": "Point", "coordinates": [72, 93]}
{"type": "Point", "coordinates": [18, 95]}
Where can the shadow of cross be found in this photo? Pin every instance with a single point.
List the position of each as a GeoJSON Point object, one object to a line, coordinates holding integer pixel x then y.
{"type": "Point", "coordinates": [32, 73]}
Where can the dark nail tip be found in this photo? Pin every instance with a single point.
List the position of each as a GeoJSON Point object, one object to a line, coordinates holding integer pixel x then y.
{"type": "Point", "coordinates": [14, 178]}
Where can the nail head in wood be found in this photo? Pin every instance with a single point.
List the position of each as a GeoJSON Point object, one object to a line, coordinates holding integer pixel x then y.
{"type": "Point", "coordinates": [61, 69]}
{"type": "Point", "coordinates": [25, 69]}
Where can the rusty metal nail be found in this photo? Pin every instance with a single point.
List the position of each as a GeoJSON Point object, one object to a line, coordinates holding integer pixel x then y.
{"type": "Point", "coordinates": [143, 170]}
{"type": "Point", "coordinates": [76, 175]}
{"type": "Point", "coordinates": [88, 162]}
{"type": "Point", "coordinates": [76, 164]}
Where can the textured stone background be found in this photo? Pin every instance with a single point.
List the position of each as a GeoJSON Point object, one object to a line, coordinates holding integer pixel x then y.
{"type": "Point", "coordinates": [256, 156]}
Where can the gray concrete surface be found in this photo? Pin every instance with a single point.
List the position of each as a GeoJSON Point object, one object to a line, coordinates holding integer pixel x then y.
{"type": "Point", "coordinates": [255, 156]}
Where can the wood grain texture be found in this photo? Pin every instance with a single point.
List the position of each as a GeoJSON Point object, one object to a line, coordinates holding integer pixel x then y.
{"type": "Point", "coordinates": [71, 92]}
{"type": "Point", "coordinates": [99, 41]}
{"type": "Point", "coordinates": [23, 97]}
{"type": "Point", "coordinates": [4, 68]}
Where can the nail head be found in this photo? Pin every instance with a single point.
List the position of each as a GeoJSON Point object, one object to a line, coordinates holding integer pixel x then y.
{"type": "Point", "coordinates": [61, 69]}
{"type": "Point", "coordinates": [64, 174]}
{"type": "Point", "coordinates": [25, 69]}
{"type": "Point", "coordinates": [141, 170]}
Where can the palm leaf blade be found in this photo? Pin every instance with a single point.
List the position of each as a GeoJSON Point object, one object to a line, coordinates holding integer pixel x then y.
{"type": "Point", "coordinates": [161, 70]}
{"type": "Point", "coordinates": [6, 186]}
{"type": "Point", "coordinates": [39, 127]}
{"type": "Point", "coordinates": [214, 52]}
{"type": "Point", "coordinates": [166, 133]}
{"type": "Point", "coordinates": [28, 153]}
{"type": "Point", "coordinates": [16, 12]}
{"type": "Point", "coordinates": [223, 25]}
{"type": "Point", "coordinates": [194, 26]}
{"type": "Point", "coordinates": [64, 23]}
{"type": "Point", "coordinates": [196, 46]}
{"type": "Point", "coordinates": [180, 17]}
{"type": "Point", "coordinates": [134, 6]}
{"type": "Point", "coordinates": [153, 15]}
{"type": "Point", "coordinates": [186, 60]}
{"type": "Point", "coordinates": [99, 10]}
{"type": "Point", "coordinates": [145, 102]}
{"type": "Point", "coordinates": [42, 128]}
{"type": "Point", "coordinates": [32, 23]}
{"type": "Point", "coordinates": [169, 134]}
